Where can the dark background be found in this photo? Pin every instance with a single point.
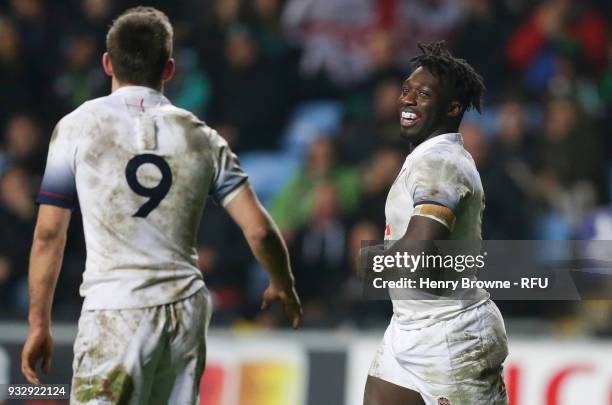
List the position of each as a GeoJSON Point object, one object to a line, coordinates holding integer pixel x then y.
{"type": "Point", "coordinates": [305, 92]}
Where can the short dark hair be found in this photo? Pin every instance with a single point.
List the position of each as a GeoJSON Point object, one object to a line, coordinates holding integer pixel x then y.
{"type": "Point", "coordinates": [464, 82]}
{"type": "Point", "coordinates": [139, 43]}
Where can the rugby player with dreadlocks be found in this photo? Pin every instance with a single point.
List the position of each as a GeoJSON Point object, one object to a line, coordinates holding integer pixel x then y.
{"type": "Point", "coordinates": [438, 351]}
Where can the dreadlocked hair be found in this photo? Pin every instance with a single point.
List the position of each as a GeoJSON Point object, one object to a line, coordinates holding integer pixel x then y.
{"type": "Point", "coordinates": [466, 84]}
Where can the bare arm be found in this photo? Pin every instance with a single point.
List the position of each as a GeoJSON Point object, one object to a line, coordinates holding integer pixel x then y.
{"type": "Point", "coordinates": [419, 237]}
{"type": "Point", "coordinates": [45, 263]}
{"type": "Point", "coordinates": [269, 249]}
{"type": "Point", "coordinates": [423, 228]}
{"type": "Point", "coordinates": [420, 233]}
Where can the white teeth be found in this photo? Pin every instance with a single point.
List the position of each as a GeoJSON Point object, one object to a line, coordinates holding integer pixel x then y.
{"type": "Point", "coordinates": [408, 115]}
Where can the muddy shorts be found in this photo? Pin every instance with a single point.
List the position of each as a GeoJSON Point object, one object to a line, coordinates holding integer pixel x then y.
{"type": "Point", "coordinates": [453, 362]}
{"type": "Point", "coordinates": [141, 356]}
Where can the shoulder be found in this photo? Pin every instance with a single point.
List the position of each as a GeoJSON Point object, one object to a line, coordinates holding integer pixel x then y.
{"type": "Point", "coordinates": [87, 114]}
{"type": "Point", "coordinates": [81, 120]}
{"type": "Point", "coordinates": [442, 174]}
{"type": "Point", "coordinates": [199, 133]}
{"type": "Point", "coordinates": [82, 114]}
{"type": "Point", "coordinates": [445, 164]}
{"type": "Point", "coordinates": [443, 157]}
{"type": "Point", "coordinates": [184, 118]}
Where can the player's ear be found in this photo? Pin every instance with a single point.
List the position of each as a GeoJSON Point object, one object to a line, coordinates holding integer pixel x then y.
{"type": "Point", "coordinates": [169, 70]}
{"type": "Point", "coordinates": [107, 65]}
{"type": "Point", "coordinates": [455, 109]}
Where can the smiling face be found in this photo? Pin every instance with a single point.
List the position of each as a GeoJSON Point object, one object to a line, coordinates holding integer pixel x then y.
{"type": "Point", "coordinates": [425, 109]}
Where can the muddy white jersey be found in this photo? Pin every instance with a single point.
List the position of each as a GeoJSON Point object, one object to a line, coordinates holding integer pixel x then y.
{"type": "Point", "coordinates": [438, 171]}
{"type": "Point", "coordinates": [141, 170]}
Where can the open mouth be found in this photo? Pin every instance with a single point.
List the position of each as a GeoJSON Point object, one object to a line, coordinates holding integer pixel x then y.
{"type": "Point", "coordinates": [408, 119]}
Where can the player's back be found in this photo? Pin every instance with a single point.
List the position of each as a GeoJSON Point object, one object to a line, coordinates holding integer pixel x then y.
{"type": "Point", "coordinates": [142, 171]}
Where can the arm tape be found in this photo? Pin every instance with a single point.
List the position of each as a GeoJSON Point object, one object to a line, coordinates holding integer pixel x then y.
{"type": "Point", "coordinates": [438, 213]}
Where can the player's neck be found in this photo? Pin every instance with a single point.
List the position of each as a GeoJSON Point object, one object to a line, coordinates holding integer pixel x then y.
{"type": "Point", "coordinates": [116, 85]}
{"type": "Point", "coordinates": [439, 131]}
{"type": "Point", "coordinates": [448, 128]}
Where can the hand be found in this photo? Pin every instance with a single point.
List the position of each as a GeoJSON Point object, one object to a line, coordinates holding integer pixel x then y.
{"type": "Point", "coordinates": [364, 262]}
{"type": "Point", "coordinates": [290, 300]}
{"type": "Point", "coordinates": [550, 17]}
{"type": "Point", "coordinates": [38, 346]}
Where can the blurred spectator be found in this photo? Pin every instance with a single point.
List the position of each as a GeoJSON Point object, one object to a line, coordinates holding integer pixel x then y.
{"type": "Point", "coordinates": [5, 275]}
{"type": "Point", "coordinates": [606, 83]}
{"type": "Point", "coordinates": [333, 37]}
{"type": "Point", "coordinates": [513, 137]}
{"type": "Point", "coordinates": [384, 69]}
{"type": "Point", "coordinates": [190, 88]}
{"type": "Point", "coordinates": [295, 203]}
{"type": "Point", "coordinates": [514, 144]}
{"type": "Point", "coordinates": [571, 162]}
{"type": "Point", "coordinates": [32, 19]}
{"type": "Point", "coordinates": [506, 214]}
{"type": "Point", "coordinates": [382, 48]}
{"type": "Point", "coordinates": [376, 127]}
{"type": "Point", "coordinates": [16, 90]}
{"type": "Point", "coordinates": [377, 178]}
{"type": "Point", "coordinates": [38, 38]}
{"type": "Point", "coordinates": [486, 26]}
{"type": "Point", "coordinates": [318, 254]}
{"type": "Point", "coordinates": [571, 146]}
{"type": "Point", "coordinates": [425, 21]}
{"type": "Point", "coordinates": [23, 145]}
{"type": "Point", "coordinates": [83, 78]}
{"type": "Point", "coordinates": [17, 208]}
{"type": "Point", "coordinates": [358, 311]}
{"type": "Point", "coordinates": [567, 83]}
{"type": "Point", "coordinates": [97, 16]}
{"type": "Point", "coordinates": [17, 214]}
{"type": "Point", "coordinates": [238, 94]}
{"type": "Point", "coordinates": [557, 28]}
{"type": "Point", "coordinates": [265, 22]}
{"type": "Point", "coordinates": [211, 32]}
{"type": "Point", "coordinates": [224, 258]}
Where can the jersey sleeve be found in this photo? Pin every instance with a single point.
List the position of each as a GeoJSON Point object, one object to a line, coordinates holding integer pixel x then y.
{"type": "Point", "coordinates": [439, 179]}
{"type": "Point", "coordinates": [229, 176]}
{"type": "Point", "coordinates": [58, 185]}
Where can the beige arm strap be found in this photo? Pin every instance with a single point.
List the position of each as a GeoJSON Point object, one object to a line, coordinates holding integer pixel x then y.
{"type": "Point", "coordinates": [436, 212]}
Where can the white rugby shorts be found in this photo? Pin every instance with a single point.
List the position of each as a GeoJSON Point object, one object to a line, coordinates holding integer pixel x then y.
{"type": "Point", "coordinates": [143, 356]}
{"type": "Point", "coordinates": [453, 362]}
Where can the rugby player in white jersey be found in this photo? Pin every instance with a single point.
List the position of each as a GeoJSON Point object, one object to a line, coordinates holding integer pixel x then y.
{"type": "Point", "coordinates": [439, 351]}
{"type": "Point", "coordinates": [141, 170]}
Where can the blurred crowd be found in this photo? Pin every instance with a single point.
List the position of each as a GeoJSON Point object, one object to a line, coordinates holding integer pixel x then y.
{"type": "Point", "coordinates": [305, 91]}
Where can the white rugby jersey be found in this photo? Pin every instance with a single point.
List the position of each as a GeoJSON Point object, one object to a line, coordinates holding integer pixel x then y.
{"type": "Point", "coordinates": [141, 170]}
{"type": "Point", "coordinates": [438, 171]}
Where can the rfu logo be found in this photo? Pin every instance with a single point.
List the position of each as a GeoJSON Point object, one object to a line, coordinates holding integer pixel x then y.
{"type": "Point", "coordinates": [444, 401]}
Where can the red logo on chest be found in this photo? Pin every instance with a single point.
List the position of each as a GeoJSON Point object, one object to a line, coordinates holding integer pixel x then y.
{"type": "Point", "coordinates": [388, 230]}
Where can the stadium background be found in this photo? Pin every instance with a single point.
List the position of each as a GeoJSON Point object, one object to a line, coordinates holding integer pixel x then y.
{"type": "Point", "coordinates": [305, 92]}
